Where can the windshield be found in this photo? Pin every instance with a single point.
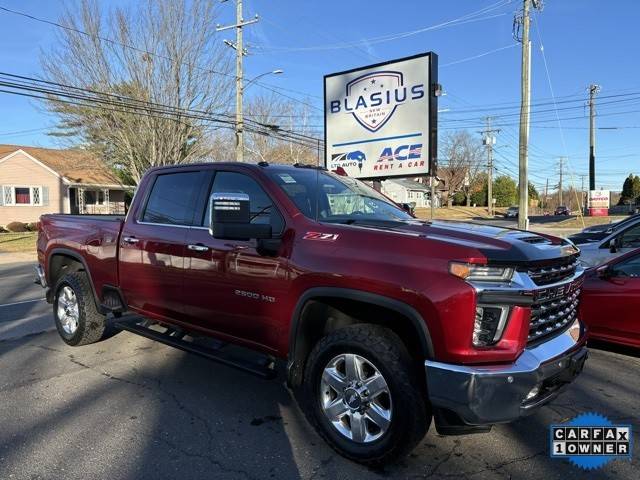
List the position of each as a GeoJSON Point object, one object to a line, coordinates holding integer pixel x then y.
{"type": "Point", "coordinates": [328, 197]}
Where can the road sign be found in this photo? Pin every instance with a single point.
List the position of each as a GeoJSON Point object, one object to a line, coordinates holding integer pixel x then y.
{"type": "Point", "coordinates": [381, 120]}
{"type": "Point", "coordinates": [598, 203]}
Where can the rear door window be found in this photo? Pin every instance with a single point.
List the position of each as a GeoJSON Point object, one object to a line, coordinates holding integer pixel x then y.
{"type": "Point", "coordinates": [628, 268]}
{"type": "Point", "coordinates": [173, 198]}
{"type": "Point", "coordinates": [631, 237]}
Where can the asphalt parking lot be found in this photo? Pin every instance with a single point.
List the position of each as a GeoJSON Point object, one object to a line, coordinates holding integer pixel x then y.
{"type": "Point", "coordinates": [129, 408]}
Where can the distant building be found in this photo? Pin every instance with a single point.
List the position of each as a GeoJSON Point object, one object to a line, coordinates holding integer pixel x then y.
{"type": "Point", "coordinates": [35, 181]}
{"type": "Point", "coordinates": [408, 191]}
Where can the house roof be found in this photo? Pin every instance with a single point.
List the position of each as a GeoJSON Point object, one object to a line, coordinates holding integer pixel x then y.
{"type": "Point", "coordinates": [77, 166]}
{"type": "Point", "coordinates": [410, 184]}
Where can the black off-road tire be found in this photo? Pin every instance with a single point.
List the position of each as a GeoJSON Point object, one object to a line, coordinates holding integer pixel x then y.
{"type": "Point", "coordinates": [411, 416]}
{"type": "Point", "coordinates": [91, 323]}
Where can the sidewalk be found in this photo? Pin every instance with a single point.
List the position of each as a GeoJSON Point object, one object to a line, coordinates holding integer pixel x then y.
{"type": "Point", "coordinates": [15, 257]}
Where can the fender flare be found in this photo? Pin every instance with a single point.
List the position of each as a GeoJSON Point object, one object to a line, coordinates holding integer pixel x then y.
{"type": "Point", "coordinates": [76, 256]}
{"type": "Point", "coordinates": [398, 306]}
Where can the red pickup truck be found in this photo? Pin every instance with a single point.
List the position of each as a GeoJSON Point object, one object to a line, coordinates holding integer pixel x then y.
{"type": "Point", "coordinates": [386, 322]}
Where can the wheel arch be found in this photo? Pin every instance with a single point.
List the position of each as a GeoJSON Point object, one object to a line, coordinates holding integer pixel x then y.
{"type": "Point", "coordinates": [311, 320]}
{"type": "Point", "coordinates": [65, 260]}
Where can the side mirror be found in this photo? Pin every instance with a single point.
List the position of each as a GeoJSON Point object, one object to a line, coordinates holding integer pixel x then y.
{"type": "Point", "coordinates": [407, 207]}
{"type": "Point", "coordinates": [615, 244]}
{"type": "Point", "coordinates": [230, 218]}
{"type": "Point", "coordinates": [603, 271]}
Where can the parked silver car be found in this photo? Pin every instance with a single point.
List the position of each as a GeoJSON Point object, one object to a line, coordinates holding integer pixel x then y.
{"type": "Point", "coordinates": [620, 241]}
{"type": "Point", "coordinates": [512, 212]}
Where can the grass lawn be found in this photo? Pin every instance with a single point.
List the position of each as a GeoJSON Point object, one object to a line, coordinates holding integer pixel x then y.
{"type": "Point", "coordinates": [456, 213]}
{"type": "Point", "coordinates": [588, 221]}
{"type": "Point", "coordinates": [18, 242]}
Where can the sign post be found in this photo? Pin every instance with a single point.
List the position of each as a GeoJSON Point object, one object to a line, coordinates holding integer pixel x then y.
{"type": "Point", "coordinates": [381, 120]}
{"type": "Point", "coordinates": [598, 203]}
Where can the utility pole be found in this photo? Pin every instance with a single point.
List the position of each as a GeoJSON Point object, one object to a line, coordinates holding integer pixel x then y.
{"type": "Point", "coordinates": [593, 91]}
{"type": "Point", "coordinates": [560, 184]}
{"type": "Point", "coordinates": [489, 140]}
{"type": "Point", "coordinates": [521, 33]}
{"type": "Point", "coordinates": [582, 196]}
{"type": "Point", "coordinates": [432, 181]}
{"type": "Point", "coordinates": [240, 52]}
{"type": "Point", "coordinates": [546, 193]}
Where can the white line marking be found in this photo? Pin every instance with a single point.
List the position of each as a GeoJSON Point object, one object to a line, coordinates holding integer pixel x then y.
{"type": "Point", "coordinates": [20, 303]}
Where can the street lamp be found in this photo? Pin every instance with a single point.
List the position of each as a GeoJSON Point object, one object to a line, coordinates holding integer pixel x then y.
{"type": "Point", "coordinates": [254, 79]}
{"type": "Point", "coordinates": [239, 114]}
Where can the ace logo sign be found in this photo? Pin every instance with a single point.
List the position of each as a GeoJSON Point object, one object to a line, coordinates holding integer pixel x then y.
{"type": "Point", "coordinates": [591, 440]}
{"type": "Point", "coordinates": [380, 120]}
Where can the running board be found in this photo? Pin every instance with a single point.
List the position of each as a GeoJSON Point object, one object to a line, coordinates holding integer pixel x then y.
{"type": "Point", "coordinates": [174, 338]}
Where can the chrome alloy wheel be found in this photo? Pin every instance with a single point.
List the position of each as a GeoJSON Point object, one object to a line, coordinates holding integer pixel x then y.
{"type": "Point", "coordinates": [68, 312]}
{"type": "Point", "coordinates": [355, 398]}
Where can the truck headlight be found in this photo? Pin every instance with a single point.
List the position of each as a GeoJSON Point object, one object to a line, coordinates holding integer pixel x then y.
{"type": "Point", "coordinates": [481, 273]}
{"type": "Point", "coordinates": [489, 324]}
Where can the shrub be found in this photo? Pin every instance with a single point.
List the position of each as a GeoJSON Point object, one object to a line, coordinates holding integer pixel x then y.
{"type": "Point", "coordinates": [3, 230]}
{"type": "Point", "coordinates": [17, 227]}
{"type": "Point", "coordinates": [459, 198]}
{"type": "Point", "coordinates": [32, 227]}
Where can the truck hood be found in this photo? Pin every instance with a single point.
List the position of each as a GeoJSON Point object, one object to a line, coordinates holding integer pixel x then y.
{"type": "Point", "coordinates": [497, 244]}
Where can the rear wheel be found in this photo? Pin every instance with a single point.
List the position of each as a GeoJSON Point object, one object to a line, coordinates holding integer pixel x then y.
{"type": "Point", "coordinates": [76, 316]}
{"type": "Point", "coordinates": [362, 394]}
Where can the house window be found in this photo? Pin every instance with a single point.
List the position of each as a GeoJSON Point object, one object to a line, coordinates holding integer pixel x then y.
{"type": "Point", "coordinates": [19, 195]}
{"type": "Point", "coordinates": [23, 196]}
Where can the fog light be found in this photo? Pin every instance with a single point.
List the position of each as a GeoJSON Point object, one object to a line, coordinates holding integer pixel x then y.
{"type": "Point", "coordinates": [488, 324]}
{"type": "Point", "coordinates": [533, 393]}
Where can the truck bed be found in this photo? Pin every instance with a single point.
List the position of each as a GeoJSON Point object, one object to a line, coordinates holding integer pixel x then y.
{"type": "Point", "coordinates": [92, 239]}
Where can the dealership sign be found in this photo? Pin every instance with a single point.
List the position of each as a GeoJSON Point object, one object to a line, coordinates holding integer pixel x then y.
{"type": "Point", "coordinates": [380, 120]}
{"type": "Point", "coordinates": [598, 202]}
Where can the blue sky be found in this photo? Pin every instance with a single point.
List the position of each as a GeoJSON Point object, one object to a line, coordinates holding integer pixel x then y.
{"type": "Point", "coordinates": [585, 41]}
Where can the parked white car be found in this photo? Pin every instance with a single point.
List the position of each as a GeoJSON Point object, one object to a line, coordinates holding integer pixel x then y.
{"type": "Point", "coordinates": [620, 241]}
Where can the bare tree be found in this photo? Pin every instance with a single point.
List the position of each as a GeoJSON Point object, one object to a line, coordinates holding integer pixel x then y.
{"type": "Point", "coordinates": [279, 116]}
{"type": "Point", "coordinates": [158, 55]}
{"type": "Point", "coordinates": [462, 153]}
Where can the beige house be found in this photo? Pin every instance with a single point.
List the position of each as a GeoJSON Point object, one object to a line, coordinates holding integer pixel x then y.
{"type": "Point", "coordinates": [35, 181]}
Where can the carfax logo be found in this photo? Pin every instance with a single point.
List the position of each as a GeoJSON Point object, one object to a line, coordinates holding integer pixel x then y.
{"type": "Point", "coordinates": [590, 441]}
{"type": "Point", "coordinates": [373, 98]}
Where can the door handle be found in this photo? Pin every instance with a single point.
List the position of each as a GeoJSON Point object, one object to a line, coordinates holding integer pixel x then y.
{"type": "Point", "coordinates": [130, 240]}
{"type": "Point", "coordinates": [198, 248]}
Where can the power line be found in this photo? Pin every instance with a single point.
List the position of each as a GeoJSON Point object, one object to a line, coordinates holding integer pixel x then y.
{"type": "Point", "coordinates": [480, 55]}
{"type": "Point", "coordinates": [123, 100]}
{"type": "Point", "coordinates": [468, 18]}
{"type": "Point", "coordinates": [152, 110]}
{"type": "Point", "coordinates": [143, 51]}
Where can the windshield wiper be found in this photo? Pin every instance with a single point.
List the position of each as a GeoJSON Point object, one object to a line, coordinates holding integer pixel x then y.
{"type": "Point", "coordinates": [375, 222]}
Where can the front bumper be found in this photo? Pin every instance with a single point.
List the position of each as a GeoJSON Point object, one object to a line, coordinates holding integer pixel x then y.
{"type": "Point", "coordinates": [484, 395]}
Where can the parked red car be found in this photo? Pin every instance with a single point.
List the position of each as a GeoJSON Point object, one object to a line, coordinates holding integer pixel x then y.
{"type": "Point", "coordinates": [611, 300]}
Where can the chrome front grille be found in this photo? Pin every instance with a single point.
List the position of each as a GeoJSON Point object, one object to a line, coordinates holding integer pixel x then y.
{"type": "Point", "coordinates": [553, 310]}
{"type": "Point", "coordinates": [553, 273]}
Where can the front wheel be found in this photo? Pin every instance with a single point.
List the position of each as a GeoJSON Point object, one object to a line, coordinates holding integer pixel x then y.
{"type": "Point", "coordinates": [362, 394]}
{"type": "Point", "coordinates": [77, 318]}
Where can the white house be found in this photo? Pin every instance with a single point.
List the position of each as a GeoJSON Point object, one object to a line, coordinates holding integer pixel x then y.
{"type": "Point", "coordinates": [405, 190]}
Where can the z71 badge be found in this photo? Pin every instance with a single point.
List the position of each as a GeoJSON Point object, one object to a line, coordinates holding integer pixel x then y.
{"type": "Point", "coordinates": [325, 237]}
